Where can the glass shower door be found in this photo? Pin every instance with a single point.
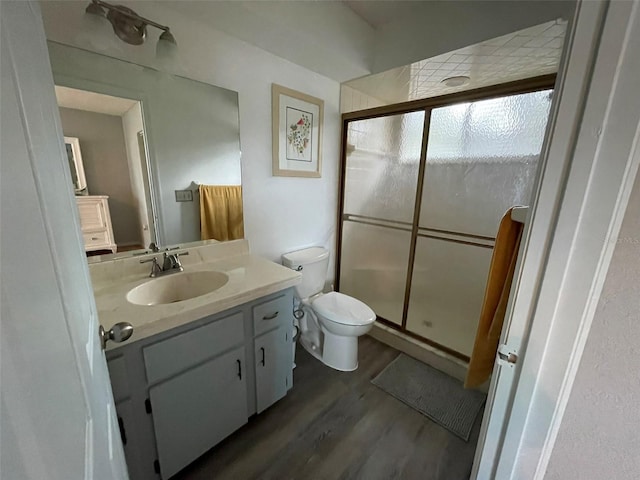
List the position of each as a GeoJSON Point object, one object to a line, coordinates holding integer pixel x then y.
{"type": "Point", "coordinates": [481, 159]}
{"type": "Point", "coordinates": [381, 176]}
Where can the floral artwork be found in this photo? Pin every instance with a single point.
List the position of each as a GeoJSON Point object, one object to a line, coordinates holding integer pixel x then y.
{"type": "Point", "coordinates": [299, 135]}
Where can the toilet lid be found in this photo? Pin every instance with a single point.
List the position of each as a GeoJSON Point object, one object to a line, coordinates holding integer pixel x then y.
{"type": "Point", "coordinates": [343, 309]}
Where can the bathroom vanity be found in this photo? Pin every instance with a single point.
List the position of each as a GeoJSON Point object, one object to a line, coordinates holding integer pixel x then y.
{"type": "Point", "coordinates": [95, 222]}
{"type": "Point", "coordinates": [194, 371]}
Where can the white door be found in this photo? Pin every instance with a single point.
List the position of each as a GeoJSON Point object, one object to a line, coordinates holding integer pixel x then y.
{"type": "Point", "coordinates": [573, 73]}
{"type": "Point", "coordinates": [57, 412]}
{"type": "Point", "coordinates": [569, 181]}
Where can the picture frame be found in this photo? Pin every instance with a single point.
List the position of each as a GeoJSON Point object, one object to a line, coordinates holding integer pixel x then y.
{"type": "Point", "coordinates": [76, 167]}
{"type": "Point", "coordinates": [297, 121]}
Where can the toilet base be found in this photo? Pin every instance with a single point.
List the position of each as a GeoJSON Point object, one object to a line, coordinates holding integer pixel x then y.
{"type": "Point", "coordinates": [340, 352]}
{"type": "Point", "coordinates": [337, 352]}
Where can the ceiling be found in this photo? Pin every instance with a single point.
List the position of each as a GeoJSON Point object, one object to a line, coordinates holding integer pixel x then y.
{"type": "Point", "coordinates": [382, 12]}
{"type": "Point", "coordinates": [93, 102]}
{"type": "Point", "coordinates": [523, 54]}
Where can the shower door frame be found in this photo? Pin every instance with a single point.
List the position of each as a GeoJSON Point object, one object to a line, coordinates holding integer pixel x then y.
{"type": "Point", "coordinates": [529, 85]}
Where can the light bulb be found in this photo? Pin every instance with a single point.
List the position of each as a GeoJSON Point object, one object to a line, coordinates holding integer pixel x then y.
{"type": "Point", "coordinates": [97, 33]}
{"type": "Point", "coordinates": [167, 51]}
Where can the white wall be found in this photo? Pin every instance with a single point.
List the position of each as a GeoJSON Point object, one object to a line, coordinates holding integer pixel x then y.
{"type": "Point", "coordinates": [326, 37]}
{"type": "Point", "coordinates": [281, 213]}
{"type": "Point", "coordinates": [599, 436]}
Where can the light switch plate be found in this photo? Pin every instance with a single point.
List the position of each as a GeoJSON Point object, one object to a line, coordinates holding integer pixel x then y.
{"type": "Point", "coordinates": [184, 196]}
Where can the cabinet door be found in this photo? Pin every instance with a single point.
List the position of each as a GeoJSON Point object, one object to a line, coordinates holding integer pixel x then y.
{"type": "Point", "coordinates": [126, 424]}
{"type": "Point", "coordinates": [92, 213]}
{"type": "Point", "coordinates": [273, 367]}
{"type": "Point", "coordinates": [195, 410]}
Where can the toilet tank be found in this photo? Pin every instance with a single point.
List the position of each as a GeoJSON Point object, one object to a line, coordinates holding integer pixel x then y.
{"type": "Point", "coordinates": [314, 262]}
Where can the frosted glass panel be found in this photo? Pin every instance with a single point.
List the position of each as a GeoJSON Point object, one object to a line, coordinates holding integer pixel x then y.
{"type": "Point", "coordinates": [383, 157]}
{"type": "Point", "coordinates": [482, 159]}
{"type": "Point", "coordinates": [374, 267]}
{"type": "Point", "coordinates": [447, 290]}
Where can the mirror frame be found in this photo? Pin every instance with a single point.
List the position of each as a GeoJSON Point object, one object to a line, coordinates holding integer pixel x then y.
{"type": "Point", "coordinates": [80, 179]}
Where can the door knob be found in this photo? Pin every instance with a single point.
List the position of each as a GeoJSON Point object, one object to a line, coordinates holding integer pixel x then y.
{"type": "Point", "coordinates": [120, 332]}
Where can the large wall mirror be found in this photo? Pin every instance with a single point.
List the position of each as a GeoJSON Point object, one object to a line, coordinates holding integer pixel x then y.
{"type": "Point", "coordinates": [160, 153]}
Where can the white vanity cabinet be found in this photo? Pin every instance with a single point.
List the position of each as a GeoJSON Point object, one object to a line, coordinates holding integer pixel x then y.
{"type": "Point", "coordinates": [272, 351]}
{"type": "Point", "coordinates": [192, 383]}
{"type": "Point", "coordinates": [197, 409]}
{"type": "Point", "coordinates": [95, 222]}
{"type": "Point", "coordinates": [180, 392]}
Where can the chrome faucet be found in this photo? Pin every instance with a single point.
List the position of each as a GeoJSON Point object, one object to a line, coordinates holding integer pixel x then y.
{"type": "Point", "coordinates": [170, 264]}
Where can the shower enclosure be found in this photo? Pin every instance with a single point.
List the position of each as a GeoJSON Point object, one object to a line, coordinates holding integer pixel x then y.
{"type": "Point", "coordinates": [424, 186]}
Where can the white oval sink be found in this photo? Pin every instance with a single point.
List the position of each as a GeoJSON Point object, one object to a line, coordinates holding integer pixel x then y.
{"type": "Point", "coordinates": [177, 287]}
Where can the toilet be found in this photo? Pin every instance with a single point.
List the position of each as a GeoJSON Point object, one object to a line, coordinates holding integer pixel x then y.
{"type": "Point", "coordinates": [330, 323]}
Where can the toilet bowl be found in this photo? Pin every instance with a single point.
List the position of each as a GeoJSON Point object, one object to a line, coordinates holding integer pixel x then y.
{"type": "Point", "coordinates": [331, 322]}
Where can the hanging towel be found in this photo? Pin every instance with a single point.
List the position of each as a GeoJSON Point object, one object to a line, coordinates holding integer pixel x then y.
{"type": "Point", "coordinates": [503, 264]}
{"type": "Point", "coordinates": [221, 212]}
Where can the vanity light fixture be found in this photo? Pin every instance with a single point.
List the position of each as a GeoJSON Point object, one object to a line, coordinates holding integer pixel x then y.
{"type": "Point", "coordinates": [456, 81]}
{"type": "Point", "coordinates": [128, 25]}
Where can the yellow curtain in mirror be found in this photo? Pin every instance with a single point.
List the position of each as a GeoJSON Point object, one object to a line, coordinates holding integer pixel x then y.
{"type": "Point", "coordinates": [221, 215]}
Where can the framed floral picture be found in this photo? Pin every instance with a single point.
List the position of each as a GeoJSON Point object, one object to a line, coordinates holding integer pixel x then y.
{"type": "Point", "coordinates": [297, 133]}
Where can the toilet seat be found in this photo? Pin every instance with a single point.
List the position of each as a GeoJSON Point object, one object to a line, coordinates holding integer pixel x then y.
{"type": "Point", "coordinates": [343, 309]}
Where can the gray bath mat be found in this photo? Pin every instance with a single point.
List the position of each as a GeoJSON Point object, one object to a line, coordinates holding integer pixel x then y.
{"type": "Point", "coordinates": [435, 394]}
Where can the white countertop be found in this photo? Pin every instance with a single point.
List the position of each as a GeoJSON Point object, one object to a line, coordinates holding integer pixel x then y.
{"type": "Point", "coordinates": [250, 278]}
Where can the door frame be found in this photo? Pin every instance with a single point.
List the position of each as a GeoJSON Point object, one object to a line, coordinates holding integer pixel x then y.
{"type": "Point", "coordinates": [590, 163]}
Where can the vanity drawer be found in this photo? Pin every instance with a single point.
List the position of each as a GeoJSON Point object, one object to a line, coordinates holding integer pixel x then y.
{"type": "Point", "coordinates": [95, 239]}
{"type": "Point", "coordinates": [269, 314]}
{"type": "Point", "coordinates": [169, 357]}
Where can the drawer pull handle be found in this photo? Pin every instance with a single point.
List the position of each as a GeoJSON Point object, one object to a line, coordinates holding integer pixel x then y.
{"type": "Point", "coordinates": [94, 238]}
{"type": "Point", "coordinates": [123, 433]}
{"type": "Point", "coordinates": [270, 317]}
{"type": "Point", "coordinates": [239, 369]}
{"type": "Point", "coordinates": [262, 362]}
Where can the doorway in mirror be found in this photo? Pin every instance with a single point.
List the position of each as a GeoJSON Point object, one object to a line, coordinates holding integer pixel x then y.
{"type": "Point", "coordinates": [109, 131]}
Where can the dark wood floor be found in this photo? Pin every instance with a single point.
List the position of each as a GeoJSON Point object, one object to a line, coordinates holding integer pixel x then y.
{"type": "Point", "coordinates": [335, 425]}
